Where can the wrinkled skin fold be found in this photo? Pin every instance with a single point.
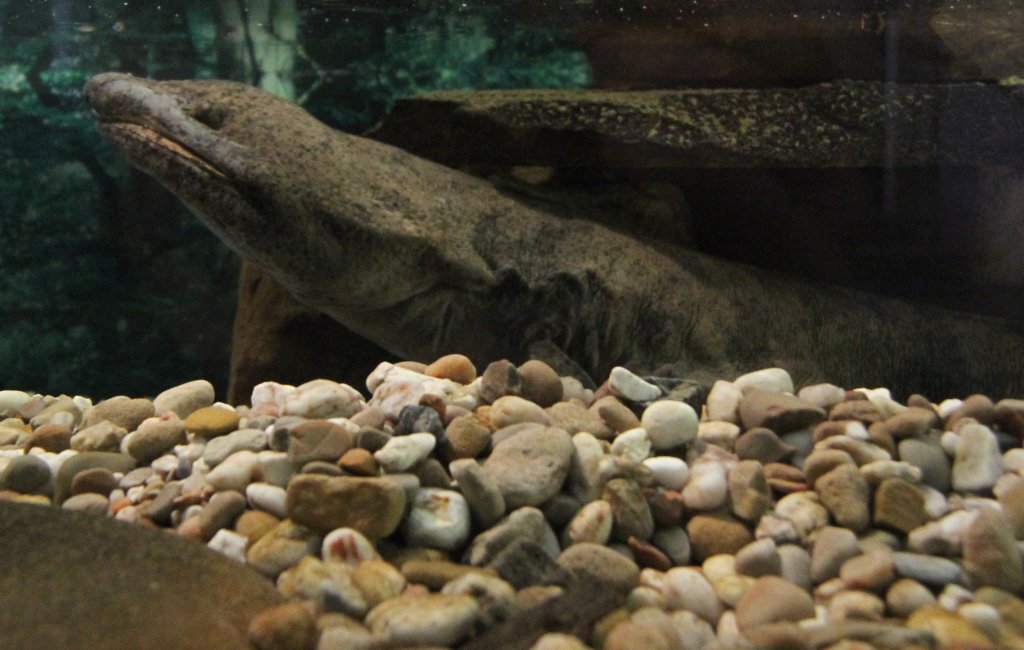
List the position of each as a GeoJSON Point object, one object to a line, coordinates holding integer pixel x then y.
{"type": "Point", "coordinates": [425, 260]}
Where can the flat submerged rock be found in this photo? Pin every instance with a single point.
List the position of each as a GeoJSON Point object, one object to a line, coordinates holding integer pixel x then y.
{"type": "Point", "coordinates": [73, 580]}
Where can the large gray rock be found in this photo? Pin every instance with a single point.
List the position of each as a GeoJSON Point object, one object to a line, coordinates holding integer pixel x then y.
{"type": "Point", "coordinates": [841, 124]}
{"type": "Point", "coordinates": [74, 580]}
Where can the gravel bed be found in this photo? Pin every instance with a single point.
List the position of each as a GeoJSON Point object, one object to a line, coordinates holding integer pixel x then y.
{"type": "Point", "coordinates": [518, 509]}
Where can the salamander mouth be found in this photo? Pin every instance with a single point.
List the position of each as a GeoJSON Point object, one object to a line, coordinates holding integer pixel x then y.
{"type": "Point", "coordinates": [130, 136]}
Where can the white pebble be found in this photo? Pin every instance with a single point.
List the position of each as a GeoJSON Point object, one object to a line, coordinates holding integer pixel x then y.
{"type": "Point", "coordinates": [727, 632]}
{"type": "Point", "coordinates": [723, 402]}
{"type": "Point", "coordinates": [707, 487]}
{"type": "Point", "coordinates": [585, 470]}
{"type": "Point", "coordinates": [947, 406]}
{"type": "Point", "coordinates": [984, 617]}
{"type": "Point", "coordinates": [234, 473]}
{"type": "Point", "coordinates": [718, 566]}
{"type": "Point", "coordinates": [230, 544]}
{"type": "Point", "coordinates": [719, 433]}
{"type": "Point", "coordinates": [942, 537]}
{"type": "Point", "coordinates": [347, 545]}
{"type": "Point", "coordinates": [669, 423]}
{"type": "Point", "coordinates": [510, 409]}
{"type": "Point", "coordinates": [268, 398]}
{"type": "Point", "coordinates": [935, 503]}
{"type": "Point", "coordinates": [11, 401]}
{"type": "Point", "coordinates": [275, 467]}
{"type": "Point", "coordinates": [804, 509]}
{"type": "Point", "coordinates": [623, 383]}
{"type": "Point", "coordinates": [395, 387]}
{"type": "Point", "coordinates": [953, 596]}
{"type": "Point", "coordinates": [772, 380]}
{"type": "Point", "coordinates": [669, 472]}
{"type": "Point", "coordinates": [822, 395]}
{"type": "Point", "coordinates": [877, 471]}
{"type": "Point", "coordinates": [166, 463]}
{"type": "Point", "coordinates": [573, 389]}
{"type": "Point", "coordinates": [129, 514]}
{"type": "Point", "coordinates": [978, 462]}
{"type": "Point", "coordinates": [593, 524]}
{"type": "Point", "coordinates": [1014, 459]}
{"type": "Point", "coordinates": [402, 452]}
{"type": "Point", "coordinates": [438, 519]}
{"type": "Point", "coordinates": [633, 445]}
{"type": "Point", "coordinates": [882, 399]}
{"type": "Point", "coordinates": [856, 430]}
{"type": "Point", "coordinates": [948, 442]}
{"type": "Point", "coordinates": [191, 452]}
{"type": "Point", "coordinates": [268, 498]}
{"type": "Point", "coordinates": [687, 589]}
{"type": "Point", "coordinates": [323, 398]}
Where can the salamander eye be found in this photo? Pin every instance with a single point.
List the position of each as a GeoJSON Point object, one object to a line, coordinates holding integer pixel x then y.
{"type": "Point", "coordinates": [211, 116]}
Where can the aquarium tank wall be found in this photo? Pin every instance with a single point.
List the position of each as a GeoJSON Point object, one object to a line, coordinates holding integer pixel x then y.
{"type": "Point", "coordinates": [872, 144]}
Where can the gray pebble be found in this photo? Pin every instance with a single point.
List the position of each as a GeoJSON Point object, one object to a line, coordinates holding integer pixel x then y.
{"type": "Point", "coordinates": [524, 563]}
{"type": "Point", "coordinates": [673, 542]}
{"type": "Point", "coordinates": [221, 447]}
{"type": "Point", "coordinates": [602, 563]}
{"type": "Point", "coordinates": [759, 558]}
{"type": "Point", "coordinates": [530, 467]}
{"type": "Point", "coordinates": [928, 569]}
{"type": "Point", "coordinates": [89, 502]}
{"type": "Point", "coordinates": [419, 419]}
{"type": "Point", "coordinates": [185, 398]}
{"type": "Point", "coordinates": [927, 455]}
{"type": "Point", "coordinates": [482, 494]}
{"type": "Point", "coordinates": [631, 513]}
{"type": "Point", "coordinates": [526, 523]}
{"type": "Point", "coordinates": [499, 379]}
{"type": "Point", "coordinates": [26, 474]}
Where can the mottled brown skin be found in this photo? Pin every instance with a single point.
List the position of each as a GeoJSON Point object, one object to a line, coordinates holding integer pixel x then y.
{"type": "Point", "coordinates": [424, 260]}
{"type": "Point", "coordinates": [74, 580]}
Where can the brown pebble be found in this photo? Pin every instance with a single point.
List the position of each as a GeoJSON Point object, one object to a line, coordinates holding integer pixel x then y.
{"type": "Point", "coordinates": [771, 600]}
{"type": "Point", "coordinates": [415, 366]}
{"type": "Point", "coordinates": [856, 409]}
{"type": "Point", "coordinates": [456, 367]}
{"type": "Point", "coordinates": [359, 462]}
{"type": "Point", "coordinates": [1009, 420]}
{"type": "Point", "coordinates": [666, 506]}
{"type": "Point", "coordinates": [291, 626]}
{"type": "Point", "coordinates": [871, 571]}
{"type": "Point", "coordinates": [648, 555]}
{"type": "Point", "coordinates": [95, 479]}
{"type": "Point", "coordinates": [51, 437]}
{"type": "Point", "coordinates": [254, 524]}
{"type": "Point", "coordinates": [616, 415]}
{"type": "Point", "coordinates": [211, 421]}
{"type": "Point", "coordinates": [628, 635]}
{"type": "Point", "coordinates": [714, 534]}
{"type": "Point", "coordinates": [435, 402]}
{"type": "Point", "coordinates": [976, 406]}
{"type": "Point", "coordinates": [822, 461]}
{"type": "Point", "coordinates": [749, 493]}
{"type": "Point", "coordinates": [762, 445]}
{"type": "Point", "coordinates": [847, 495]}
{"type": "Point", "coordinates": [437, 573]}
{"type": "Point", "coordinates": [540, 383]}
{"type": "Point", "coordinates": [466, 437]}
{"type": "Point", "coordinates": [899, 506]}
{"type": "Point", "coordinates": [499, 379]}
{"type": "Point", "coordinates": [119, 504]}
